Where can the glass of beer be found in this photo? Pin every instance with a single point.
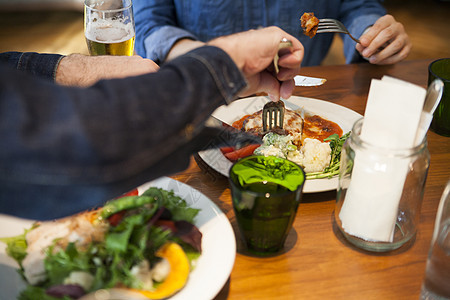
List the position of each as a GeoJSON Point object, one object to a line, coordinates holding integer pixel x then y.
{"type": "Point", "coordinates": [109, 27]}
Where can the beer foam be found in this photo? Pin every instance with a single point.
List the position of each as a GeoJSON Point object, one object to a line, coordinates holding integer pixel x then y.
{"type": "Point", "coordinates": [109, 31]}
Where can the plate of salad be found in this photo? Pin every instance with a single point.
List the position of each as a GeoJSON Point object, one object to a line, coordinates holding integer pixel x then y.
{"type": "Point", "coordinates": [163, 240]}
{"type": "Point", "coordinates": [315, 181]}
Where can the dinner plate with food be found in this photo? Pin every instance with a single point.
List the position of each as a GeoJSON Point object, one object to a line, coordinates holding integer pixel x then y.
{"type": "Point", "coordinates": [161, 240]}
{"type": "Point", "coordinates": [312, 136]}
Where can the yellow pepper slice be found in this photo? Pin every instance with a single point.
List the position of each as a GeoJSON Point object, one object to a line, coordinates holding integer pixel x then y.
{"type": "Point", "coordinates": [179, 272]}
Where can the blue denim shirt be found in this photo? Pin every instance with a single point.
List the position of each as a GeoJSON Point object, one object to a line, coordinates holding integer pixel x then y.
{"type": "Point", "coordinates": [160, 23]}
{"type": "Point", "coordinates": [67, 149]}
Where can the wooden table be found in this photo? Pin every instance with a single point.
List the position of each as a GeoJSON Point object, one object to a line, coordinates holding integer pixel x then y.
{"type": "Point", "coordinates": [318, 263]}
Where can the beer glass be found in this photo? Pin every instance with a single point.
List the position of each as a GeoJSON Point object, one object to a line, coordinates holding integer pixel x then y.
{"type": "Point", "coordinates": [109, 27]}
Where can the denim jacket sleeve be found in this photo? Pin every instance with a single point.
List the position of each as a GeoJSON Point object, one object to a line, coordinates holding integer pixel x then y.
{"type": "Point", "coordinates": [42, 65]}
{"type": "Point", "coordinates": [68, 149]}
{"type": "Point", "coordinates": [156, 28]}
{"type": "Point", "coordinates": [357, 16]}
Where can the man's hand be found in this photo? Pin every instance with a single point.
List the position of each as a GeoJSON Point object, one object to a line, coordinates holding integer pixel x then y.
{"type": "Point", "coordinates": [253, 52]}
{"type": "Point", "coordinates": [386, 42]}
{"type": "Point", "coordinates": [82, 70]}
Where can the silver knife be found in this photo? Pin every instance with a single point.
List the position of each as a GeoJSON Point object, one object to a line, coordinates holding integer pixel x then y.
{"type": "Point", "coordinates": [308, 81]}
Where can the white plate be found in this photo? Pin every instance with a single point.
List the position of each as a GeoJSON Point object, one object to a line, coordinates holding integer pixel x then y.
{"type": "Point", "coordinates": [205, 281]}
{"type": "Point", "coordinates": [343, 116]}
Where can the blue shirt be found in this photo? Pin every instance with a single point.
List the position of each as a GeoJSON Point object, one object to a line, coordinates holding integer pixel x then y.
{"type": "Point", "coordinates": [161, 23]}
{"type": "Point", "coordinates": [67, 149]}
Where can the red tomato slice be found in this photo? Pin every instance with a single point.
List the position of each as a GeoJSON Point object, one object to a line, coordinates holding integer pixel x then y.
{"type": "Point", "coordinates": [243, 152]}
{"type": "Point", "coordinates": [133, 192]}
{"type": "Point", "coordinates": [227, 149]}
{"type": "Point", "coordinates": [115, 219]}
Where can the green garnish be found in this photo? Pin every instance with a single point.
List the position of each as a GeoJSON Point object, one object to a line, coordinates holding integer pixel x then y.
{"type": "Point", "coordinates": [336, 144]}
{"type": "Point", "coordinates": [255, 169]}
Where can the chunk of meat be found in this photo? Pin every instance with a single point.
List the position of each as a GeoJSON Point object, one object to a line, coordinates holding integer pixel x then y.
{"type": "Point", "coordinates": [78, 229]}
{"type": "Point", "coordinates": [309, 24]}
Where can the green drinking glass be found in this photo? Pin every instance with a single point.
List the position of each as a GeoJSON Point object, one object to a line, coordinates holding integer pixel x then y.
{"type": "Point", "coordinates": [441, 118]}
{"type": "Point", "coordinates": [266, 192]}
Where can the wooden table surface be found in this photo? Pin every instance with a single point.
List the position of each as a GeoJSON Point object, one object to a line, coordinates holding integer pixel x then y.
{"type": "Point", "coordinates": [318, 263]}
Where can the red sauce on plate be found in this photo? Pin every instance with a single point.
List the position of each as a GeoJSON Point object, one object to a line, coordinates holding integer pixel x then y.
{"type": "Point", "coordinates": [240, 123]}
{"type": "Point", "coordinates": [316, 127]}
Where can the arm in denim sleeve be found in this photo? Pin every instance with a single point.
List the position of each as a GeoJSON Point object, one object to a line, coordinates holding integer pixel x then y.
{"type": "Point", "coordinates": [156, 28]}
{"type": "Point", "coordinates": [68, 149]}
{"type": "Point", "coordinates": [357, 16]}
{"type": "Point", "coordinates": [42, 65]}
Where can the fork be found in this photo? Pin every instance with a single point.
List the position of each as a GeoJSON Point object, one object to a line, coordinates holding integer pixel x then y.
{"type": "Point", "coordinates": [332, 25]}
{"type": "Point", "coordinates": [273, 112]}
{"type": "Point", "coordinates": [273, 115]}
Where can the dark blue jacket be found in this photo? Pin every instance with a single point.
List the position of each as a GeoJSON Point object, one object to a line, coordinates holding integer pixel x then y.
{"type": "Point", "coordinates": [68, 149]}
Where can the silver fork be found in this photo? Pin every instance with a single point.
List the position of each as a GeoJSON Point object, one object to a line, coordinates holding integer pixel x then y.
{"type": "Point", "coordinates": [332, 25]}
{"type": "Point", "coordinates": [273, 112]}
{"type": "Point", "coordinates": [273, 115]}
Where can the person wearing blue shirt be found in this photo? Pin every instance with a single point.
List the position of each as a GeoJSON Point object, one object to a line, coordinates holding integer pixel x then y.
{"type": "Point", "coordinates": [168, 28]}
{"type": "Point", "coordinates": [65, 149]}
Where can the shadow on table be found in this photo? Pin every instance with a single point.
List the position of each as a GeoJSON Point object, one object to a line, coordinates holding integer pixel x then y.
{"type": "Point", "coordinates": [318, 197]}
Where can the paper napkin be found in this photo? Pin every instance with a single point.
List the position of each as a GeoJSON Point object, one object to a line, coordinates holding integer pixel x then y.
{"type": "Point", "coordinates": [391, 121]}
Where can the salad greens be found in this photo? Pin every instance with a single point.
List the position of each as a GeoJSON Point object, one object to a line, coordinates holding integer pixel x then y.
{"type": "Point", "coordinates": [336, 144]}
{"type": "Point", "coordinates": [134, 238]}
{"type": "Point", "coordinates": [16, 246]}
{"type": "Point", "coordinates": [33, 292]}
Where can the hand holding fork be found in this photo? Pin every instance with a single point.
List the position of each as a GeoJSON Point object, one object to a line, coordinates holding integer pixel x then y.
{"type": "Point", "coordinates": [386, 42]}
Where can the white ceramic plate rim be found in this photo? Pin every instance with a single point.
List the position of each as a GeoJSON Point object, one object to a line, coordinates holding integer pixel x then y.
{"type": "Point", "coordinates": [341, 115]}
{"type": "Point", "coordinates": [212, 270]}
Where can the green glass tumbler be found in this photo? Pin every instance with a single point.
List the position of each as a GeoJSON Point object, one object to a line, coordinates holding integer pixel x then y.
{"type": "Point", "coordinates": [266, 192]}
{"type": "Point", "coordinates": [441, 118]}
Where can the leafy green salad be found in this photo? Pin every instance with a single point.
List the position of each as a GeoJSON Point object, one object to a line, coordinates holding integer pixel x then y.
{"type": "Point", "coordinates": [143, 243]}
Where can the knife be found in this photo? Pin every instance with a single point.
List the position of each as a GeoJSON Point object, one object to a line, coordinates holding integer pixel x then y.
{"type": "Point", "coordinates": [308, 81]}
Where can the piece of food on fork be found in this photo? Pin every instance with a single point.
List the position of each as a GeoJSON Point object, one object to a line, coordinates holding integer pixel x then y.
{"type": "Point", "coordinates": [309, 24]}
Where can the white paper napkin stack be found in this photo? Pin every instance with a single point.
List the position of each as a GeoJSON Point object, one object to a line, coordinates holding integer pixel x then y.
{"type": "Point", "coordinates": [391, 121]}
